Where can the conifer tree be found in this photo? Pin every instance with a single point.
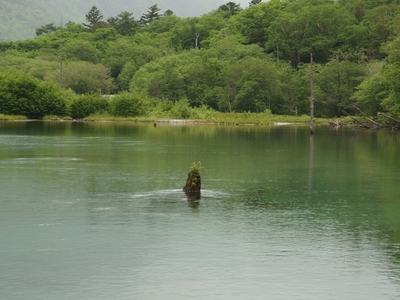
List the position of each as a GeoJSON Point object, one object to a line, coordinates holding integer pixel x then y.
{"type": "Point", "coordinates": [94, 18]}
{"type": "Point", "coordinates": [151, 15]}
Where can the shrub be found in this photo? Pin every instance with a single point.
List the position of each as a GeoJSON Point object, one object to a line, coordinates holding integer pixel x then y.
{"type": "Point", "coordinates": [84, 106]}
{"type": "Point", "coordinates": [165, 105]}
{"type": "Point", "coordinates": [129, 105]}
{"type": "Point", "coordinates": [181, 109]}
{"type": "Point", "coordinates": [51, 100]}
{"type": "Point", "coordinates": [22, 94]}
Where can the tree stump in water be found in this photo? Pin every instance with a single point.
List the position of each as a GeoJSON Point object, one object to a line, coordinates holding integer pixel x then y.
{"type": "Point", "coordinates": [193, 182]}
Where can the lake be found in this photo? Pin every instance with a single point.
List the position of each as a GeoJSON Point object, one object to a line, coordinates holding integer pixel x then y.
{"type": "Point", "coordinates": [96, 211]}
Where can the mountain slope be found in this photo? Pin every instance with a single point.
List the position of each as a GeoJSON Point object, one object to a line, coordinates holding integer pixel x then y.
{"type": "Point", "coordinates": [20, 18]}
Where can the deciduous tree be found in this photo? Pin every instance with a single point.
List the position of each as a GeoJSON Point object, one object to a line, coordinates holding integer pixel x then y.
{"type": "Point", "coordinates": [391, 73]}
{"type": "Point", "coordinates": [338, 80]}
{"type": "Point", "coordinates": [253, 22]}
{"type": "Point", "coordinates": [254, 2]}
{"type": "Point", "coordinates": [377, 22]}
{"type": "Point", "coordinates": [85, 77]}
{"type": "Point", "coordinates": [78, 49]}
{"type": "Point", "coordinates": [303, 28]}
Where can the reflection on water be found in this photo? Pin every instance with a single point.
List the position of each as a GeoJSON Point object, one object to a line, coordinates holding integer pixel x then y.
{"type": "Point", "coordinates": [193, 199]}
{"type": "Point", "coordinates": [311, 163]}
{"type": "Point", "coordinates": [96, 211]}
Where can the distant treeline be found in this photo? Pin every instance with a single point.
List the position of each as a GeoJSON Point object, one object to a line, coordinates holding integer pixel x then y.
{"type": "Point", "coordinates": [19, 18]}
{"type": "Point", "coordinates": [232, 59]}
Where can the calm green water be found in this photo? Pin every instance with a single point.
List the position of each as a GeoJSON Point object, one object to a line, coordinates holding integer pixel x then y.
{"type": "Point", "coordinates": [96, 211]}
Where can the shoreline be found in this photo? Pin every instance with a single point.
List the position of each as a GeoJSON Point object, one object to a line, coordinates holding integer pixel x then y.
{"type": "Point", "coordinates": [322, 122]}
{"type": "Point", "coordinates": [164, 121]}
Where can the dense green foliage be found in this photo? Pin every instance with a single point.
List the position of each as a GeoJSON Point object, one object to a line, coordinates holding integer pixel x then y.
{"type": "Point", "coordinates": [129, 105]}
{"type": "Point", "coordinates": [19, 18]}
{"type": "Point", "coordinates": [229, 60]}
{"type": "Point", "coordinates": [22, 94]}
{"type": "Point", "coordinates": [84, 106]}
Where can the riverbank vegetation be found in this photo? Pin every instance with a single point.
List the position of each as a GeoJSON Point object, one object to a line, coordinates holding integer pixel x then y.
{"type": "Point", "coordinates": [231, 64]}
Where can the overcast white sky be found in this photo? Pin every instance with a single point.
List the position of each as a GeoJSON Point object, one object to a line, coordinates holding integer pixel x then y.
{"type": "Point", "coordinates": [243, 3]}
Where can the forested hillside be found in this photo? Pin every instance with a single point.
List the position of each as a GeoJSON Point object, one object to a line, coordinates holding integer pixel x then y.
{"type": "Point", "coordinates": [19, 18]}
{"type": "Point", "coordinates": [255, 59]}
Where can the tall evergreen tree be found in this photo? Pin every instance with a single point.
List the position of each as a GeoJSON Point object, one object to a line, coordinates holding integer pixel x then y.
{"type": "Point", "coordinates": [94, 18]}
{"type": "Point", "coordinates": [124, 23]}
{"type": "Point", "coordinates": [151, 15]}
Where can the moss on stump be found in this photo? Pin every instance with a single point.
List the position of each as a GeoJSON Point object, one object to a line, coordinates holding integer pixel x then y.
{"type": "Point", "coordinates": [193, 182]}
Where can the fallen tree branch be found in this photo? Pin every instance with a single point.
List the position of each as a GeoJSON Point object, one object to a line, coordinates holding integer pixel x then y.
{"type": "Point", "coordinates": [357, 121]}
{"type": "Point", "coordinates": [368, 118]}
{"type": "Point", "coordinates": [389, 117]}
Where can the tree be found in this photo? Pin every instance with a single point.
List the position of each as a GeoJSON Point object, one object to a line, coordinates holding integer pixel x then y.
{"type": "Point", "coordinates": [377, 22]}
{"type": "Point", "coordinates": [231, 7]}
{"type": "Point", "coordinates": [46, 29]}
{"type": "Point", "coordinates": [371, 93]}
{"type": "Point", "coordinates": [391, 73]}
{"type": "Point", "coordinates": [124, 23]}
{"type": "Point", "coordinates": [253, 22]}
{"type": "Point", "coordinates": [163, 25]}
{"type": "Point", "coordinates": [37, 67]}
{"type": "Point", "coordinates": [79, 49]}
{"type": "Point", "coordinates": [356, 7]}
{"type": "Point", "coordinates": [168, 13]}
{"type": "Point", "coordinates": [95, 19]}
{"type": "Point", "coordinates": [194, 32]}
{"type": "Point", "coordinates": [126, 75]}
{"type": "Point", "coordinates": [117, 55]}
{"type": "Point", "coordinates": [201, 74]}
{"type": "Point", "coordinates": [124, 51]}
{"type": "Point", "coordinates": [85, 77]}
{"type": "Point", "coordinates": [151, 15]}
{"type": "Point", "coordinates": [254, 2]}
{"type": "Point", "coordinates": [338, 80]}
{"type": "Point", "coordinates": [73, 28]}
{"type": "Point", "coordinates": [304, 28]}
{"type": "Point", "coordinates": [161, 79]}
{"type": "Point", "coordinates": [188, 34]}
{"type": "Point", "coordinates": [251, 84]}
{"type": "Point", "coordinates": [292, 95]}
